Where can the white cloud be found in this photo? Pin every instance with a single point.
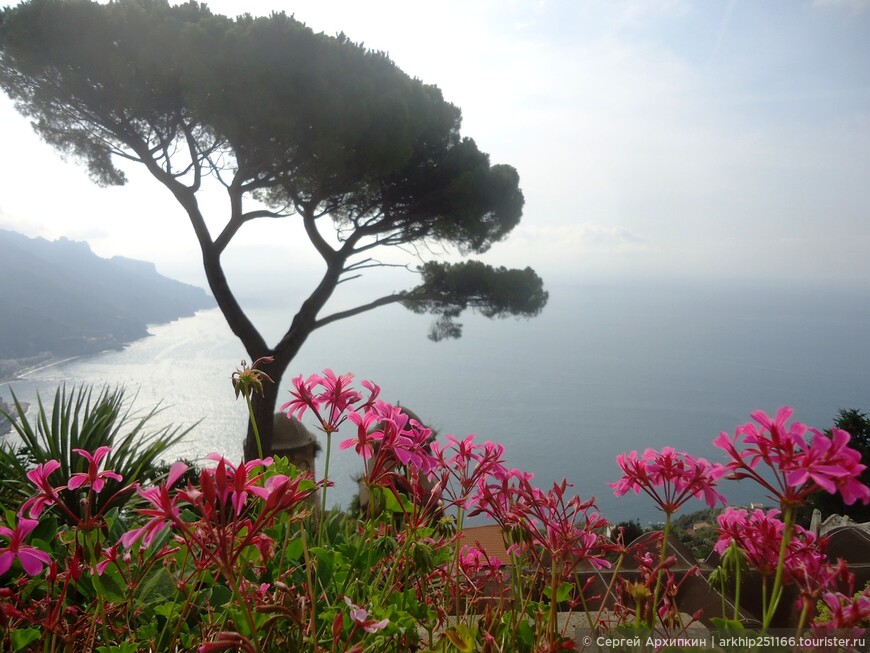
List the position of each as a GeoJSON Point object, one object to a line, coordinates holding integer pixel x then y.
{"type": "Point", "coordinates": [584, 237]}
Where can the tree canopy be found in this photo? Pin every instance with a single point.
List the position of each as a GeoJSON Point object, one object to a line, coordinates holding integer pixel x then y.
{"type": "Point", "coordinates": [294, 124]}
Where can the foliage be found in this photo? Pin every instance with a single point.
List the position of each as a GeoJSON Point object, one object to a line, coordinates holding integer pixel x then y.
{"type": "Point", "coordinates": [448, 289]}
{"type": "Point", "coordinates": [292, 124]}
{"type": "Point", "coordinates": [82, 420]}
{"type": "Point", "coordinates": [631, 530]}
{"type": "Point", "coordinates": [697, 530]}
{"type": "Point", "coordinates": [237, 557]}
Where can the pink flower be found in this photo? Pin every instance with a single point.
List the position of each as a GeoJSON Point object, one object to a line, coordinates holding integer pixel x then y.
{"type": "Point", "coordinates": [303, 397]}
{"type": "Point", "coordinates": [404, 443]}
{"type": "Point", "coordinates": [236, 480]}
{"type": "Point", "coordinates": [48, 494]}
{"type": "Point", "coordinates": [32, 559]}
{"type": "Point", "coordinates": [363, 443]}
{"type": "Point", "coordinates": [338, 395]}
{"type": "Point", "coordinates": [847, 611]}
{"type": "Point", "coordinates": [93, 477]}
{"type": "Point", "coordinates": [463, 466]}
{"type": "Point", "coordinates": [828, 463]}
{"type": "Point", "coordinates": [569, 528]}
{"type": "Point", "coordinates": [474, 558]}
{"type": "Point", "coordinates": [552, 524]}
{"type": "Point", "coordinates": [832, 466]}
{"type": "Point", "coordinates": [332, 390]}
{"type": "Point", "coordinates": [165, 509]}
{"type": "Point", "coordinates": [671, 478]}
{"type": "Point", "coordinates": [109, 556]}
{"type": "Point", "coordinates": [361, 617]}
{"type": "Point", "coordinates": [283, 493]}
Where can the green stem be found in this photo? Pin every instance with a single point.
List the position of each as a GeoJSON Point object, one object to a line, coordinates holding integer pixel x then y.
{"type": "Point", "coordinates": [655, 602]}
{"type": "Point", "coordinates": [246, 609]}
{"type": "Point", "coordinates": [460, 516]}
{"type": "Point", "coordinates": [311, 590]}
{"type": "Point", "coordinates": [737, 579]}
{"type": "Point", "coordinates": [325, 482]}
{"type": "Point", "coordinates": [613, 577]}
{"type": "Point", "coordinates": [554, 607]}
{"type": "Point", "coordinates": [584, 604]}
{"type": "Point", "coordinates": [516, 577]}
{"type": "Point", "coordinates": [803, 618]}
{"type": "Point", "coordinates": [394, 568]}
{"type": "Point", "coordinates": [776, 593]}
{"type": "Point", "coordinates": [254, 425]}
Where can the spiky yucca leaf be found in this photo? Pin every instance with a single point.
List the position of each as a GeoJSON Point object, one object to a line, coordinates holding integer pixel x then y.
{"type": "Point", "coordinates": [83, 419]}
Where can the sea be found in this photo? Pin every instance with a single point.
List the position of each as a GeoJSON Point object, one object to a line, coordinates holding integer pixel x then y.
{"type": "Point", "coordinates": [607, 367]}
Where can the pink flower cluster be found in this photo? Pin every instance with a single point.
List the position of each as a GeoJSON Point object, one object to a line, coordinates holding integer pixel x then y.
{"type": "Point", "coordinates": [792, 469]}
{"type": "Point", "coordinates": [671, 478]}
{"type": "Point", "coordinates": [798, 468]}
{"type": "Point", "coordinates": [224, 502]}
{"type": "Point", "coordinates": [546, 524]}
{"type": "Point", "coordinates": [464, 466]}
{"type": "Point", "coordinates": [759, 535]}
{"type": "Point", "coordinates": [332, 392]}
{"type": "Point", "coordinates": [32, 559]}
{"type": "Point", "coordinates": [402, 443]}
{"type": "Point", "coordinates": [224, 520]}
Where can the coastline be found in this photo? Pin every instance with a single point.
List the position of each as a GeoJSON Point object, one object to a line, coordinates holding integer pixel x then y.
{"type": "Point", "coordinates": [14, 369]}
{"type": "Point", "coordinates": [22, 373]}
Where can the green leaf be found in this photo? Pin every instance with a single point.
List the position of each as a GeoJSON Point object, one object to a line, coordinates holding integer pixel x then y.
{"type": "Point", "coordinates": [82, 418]}
{"type": "Point", "coordinates": [293, 549]}
{"type": "Point", "coordinates": [563, 592]}
{"type": "Point", "coordinates": [159, 584]}
{"type": "Point", "coordinates": [731, 626]}
{"type": "Point", "coordinates": [327, 559]}
{"type": "Point", "coordinates": [220, 595]}
{"type": "Point", "coordinates": [392, 504]}
{"type": "Point", "coordinates": [22, 637]}
{"type": "Point", "coordinates": [167, 610]}
{"type": "Point", "coordinates": [108, 585]}
{"type": "Point", "coordinates": [462, 637]}
{"type": "Point", "coordinates": [118, 648]}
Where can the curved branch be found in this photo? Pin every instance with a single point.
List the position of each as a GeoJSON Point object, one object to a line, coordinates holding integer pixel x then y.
{"type": "Point", "coordinates": [235, 223]}
{"type": "Point", "coordinates": [383, 301]}
{"type": "Point", "coordinates": [195, 161]}
{"type": "Point", "coordinates": [316, 238]}
{"type": "Point", "coordinates": [263, 213]}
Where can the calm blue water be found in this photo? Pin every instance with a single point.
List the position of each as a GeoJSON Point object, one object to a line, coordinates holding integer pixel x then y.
{"type": "Point", "coordinates": [604, 369]}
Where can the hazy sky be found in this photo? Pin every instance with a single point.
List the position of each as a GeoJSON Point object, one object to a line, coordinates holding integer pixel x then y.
{"type": "Point", "coordinates": [722, 139]}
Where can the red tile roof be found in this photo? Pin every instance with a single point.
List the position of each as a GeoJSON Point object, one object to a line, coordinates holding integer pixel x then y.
{"type": "Point", "coordinates": [488, 538]}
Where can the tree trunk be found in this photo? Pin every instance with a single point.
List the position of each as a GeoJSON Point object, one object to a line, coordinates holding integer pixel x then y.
{"type": "Point", "coordinates": [264, 409]}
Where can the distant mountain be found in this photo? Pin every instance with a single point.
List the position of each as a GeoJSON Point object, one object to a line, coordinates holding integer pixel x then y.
{"type": "Point", "coordinates": [60, 299]}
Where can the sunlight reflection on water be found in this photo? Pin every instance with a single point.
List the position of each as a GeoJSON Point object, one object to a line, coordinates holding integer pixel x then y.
{"type": "Point", "coordinates": [602, 370]}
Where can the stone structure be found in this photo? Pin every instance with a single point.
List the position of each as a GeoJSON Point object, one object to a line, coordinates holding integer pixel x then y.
{"type": "Point", "coordinates": [293, 440]}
